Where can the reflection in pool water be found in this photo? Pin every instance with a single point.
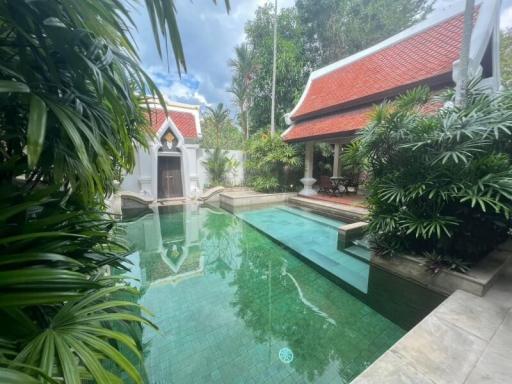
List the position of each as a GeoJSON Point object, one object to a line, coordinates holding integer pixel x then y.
{"type": "Point", "coordinates": [232, 306]}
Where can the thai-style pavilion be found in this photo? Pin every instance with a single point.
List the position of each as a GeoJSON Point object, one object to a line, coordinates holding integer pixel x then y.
{"type": "Point", "coordinates": [338, 98]}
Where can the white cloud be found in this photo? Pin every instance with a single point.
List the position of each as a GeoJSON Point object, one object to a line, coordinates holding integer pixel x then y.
{"type": "Point", "coordinates": [184, 89]}
{"type": "Point", "coordinates": [506, 18]}
{"type": "Point", "coordinates": [180, 92]}
{"type": "Point", "coordinates": [209, 36]}
{"type": "Point", "coordinates": [506, 10]}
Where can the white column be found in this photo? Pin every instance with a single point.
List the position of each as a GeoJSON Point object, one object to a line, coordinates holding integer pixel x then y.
{"type": "Point", "coordinates": [308, 180]}
{"type": "Point", "coordinates": [336, 161]}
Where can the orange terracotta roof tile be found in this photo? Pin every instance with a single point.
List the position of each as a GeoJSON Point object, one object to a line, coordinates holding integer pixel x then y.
{"type": "Point", "coordinates": [184, 121]}
{"type": "Point", "coordinates": [345, 122]}
{"type": "Point", "coordinates": [426, 55]}
{"type": "Point", "coordinates": [342, 122]}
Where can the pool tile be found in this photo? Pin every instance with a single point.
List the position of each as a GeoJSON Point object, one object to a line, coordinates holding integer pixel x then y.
{"type": "Point", "coordinates": [239, 298]}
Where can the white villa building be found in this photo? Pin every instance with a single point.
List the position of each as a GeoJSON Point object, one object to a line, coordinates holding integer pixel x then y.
{"type": "Point", "coordinates": [173, 167]}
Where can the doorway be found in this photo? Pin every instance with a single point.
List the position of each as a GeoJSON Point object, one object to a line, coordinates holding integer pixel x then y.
{"type": "Point", "coordinates": [169, 177]}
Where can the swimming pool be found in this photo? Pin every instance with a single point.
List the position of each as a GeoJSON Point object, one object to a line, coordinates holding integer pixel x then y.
{"type": "Point", "coordinates": [234, 305]}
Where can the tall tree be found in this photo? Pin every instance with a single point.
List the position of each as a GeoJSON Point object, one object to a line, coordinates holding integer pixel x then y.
{"type": "Point", "coordinates": [217, 118]}
{"type": "Point", "coordinates": [244, 67]}
{"type": "Point", "coordinates": [338, 28]}
{"type": "Point", "coordinates": [291, 65]}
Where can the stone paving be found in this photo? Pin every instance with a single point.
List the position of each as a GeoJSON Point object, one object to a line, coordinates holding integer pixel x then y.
{"type": "Point", "coordinates": [466, 340]}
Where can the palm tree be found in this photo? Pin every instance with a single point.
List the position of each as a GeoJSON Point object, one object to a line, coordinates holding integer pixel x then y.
{"type": "Point", "coordinates": [217, 118]}
{"type": "Point", "coordinates": [244, 67]}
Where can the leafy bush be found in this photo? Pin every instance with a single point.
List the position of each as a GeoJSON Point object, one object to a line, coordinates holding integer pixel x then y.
{"type": "Point", "coordinates": [271, 164]}
{"type": "Point", "coordinates": [440, 183]}
{"type": "Point", "coordinates": [57, 306]}
{"type": "Point", "coordinates": [353, 162]}
{"type": "Point", "coordinates": [218, 165]}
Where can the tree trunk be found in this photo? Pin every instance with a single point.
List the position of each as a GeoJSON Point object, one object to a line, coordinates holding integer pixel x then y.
{"type": "Point", "coordinates": [274, 68]}
{"type": "Point", "coordinates": [247, 124]}
{"type": "Point", "coordinates": [461, 90]}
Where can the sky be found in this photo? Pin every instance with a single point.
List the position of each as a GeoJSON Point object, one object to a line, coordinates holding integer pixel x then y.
{"type": "Point", "coordinates": [209, 36]}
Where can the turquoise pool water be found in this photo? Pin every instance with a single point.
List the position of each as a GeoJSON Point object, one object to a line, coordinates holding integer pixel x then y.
{"type": "Point", "coordinates": [312, 236]}
{"type": "Point", "coordinates": [234, 306]}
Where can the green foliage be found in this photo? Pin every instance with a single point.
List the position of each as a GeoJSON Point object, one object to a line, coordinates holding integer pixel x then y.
{"type": "Point", "coordinates": [440, 183]}
{"type": "Point", "coordinates": [70, 114]}
{"type": "Point", "coordinates": [291, 65]}
{"type": "Point", "coordinates": [436, 263]}
{"type": "Point", "coordinates": [218, 130]}
{"type": "Point", "coordinates": [353, 162]}
{"type": "Point", "coordinates": [271, 164]}
{"type": "Point", "coordinates": [218, 165]}
{"type": "Point", "coordinates": [244, 68]}
{"type": "Point", "coordinates": [310, 34]}
{"type": "Point", "coordinates": [506, 57]}
{"type": "Point", "coordinates": [334, 29]}
{"type": "Point", "coordinates": [56, 306]}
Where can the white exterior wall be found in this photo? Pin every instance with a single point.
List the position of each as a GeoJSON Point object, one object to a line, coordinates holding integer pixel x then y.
{"type": "Point", "coordinates": [143, 179]}
{"type": "Point", "coordinates": [195, 177]}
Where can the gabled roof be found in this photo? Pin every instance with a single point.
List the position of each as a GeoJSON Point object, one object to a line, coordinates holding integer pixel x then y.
{"type": "Point", "coordinates": [428, 55]}
{"type": "Point", "coordinates": [336, 96]}
{"type": "Point", "coordinates": [185, 118]}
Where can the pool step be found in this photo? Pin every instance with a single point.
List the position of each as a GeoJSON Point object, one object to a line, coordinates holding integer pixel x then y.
{"type": "Point", "coordinates": [359, 252]}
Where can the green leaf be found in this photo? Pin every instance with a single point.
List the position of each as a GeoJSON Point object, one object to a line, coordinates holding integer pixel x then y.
{"type": "Point", "coordinates": [13, 86]}
{"type": "Point", "coordinates": [21, 299]}
{"type": "Point", "coordinates": [36, 130]}
{"type": "Point", "coordinates": [11, 376]}
{"type": "Point", "coordinates": [37, 257]}
{"type": "Point", "coordinates": [113, 354]}
{"type": "Point", "coordinates": [89, 359]}
{"type": "Point", "coordinates": [68, 363]}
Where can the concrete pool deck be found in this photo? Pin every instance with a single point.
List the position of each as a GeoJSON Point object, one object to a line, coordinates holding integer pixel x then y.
{"type": "Point", "coordinates": [465, 340]}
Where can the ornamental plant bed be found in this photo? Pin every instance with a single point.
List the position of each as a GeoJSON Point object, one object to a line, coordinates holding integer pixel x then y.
{"type": "Point", "coordinates": [476, 281]}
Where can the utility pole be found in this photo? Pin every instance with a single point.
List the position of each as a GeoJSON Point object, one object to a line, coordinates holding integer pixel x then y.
{"type": "Point", "coordinates": [274, 68]}
{"type": "Point", "coordinates": [462, 85]}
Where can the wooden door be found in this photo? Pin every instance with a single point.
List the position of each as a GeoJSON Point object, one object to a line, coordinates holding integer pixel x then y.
{"type": "Point", "coordinates": [169, 177]}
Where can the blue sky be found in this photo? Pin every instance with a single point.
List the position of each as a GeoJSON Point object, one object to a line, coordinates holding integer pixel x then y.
{"type": "Point", "coordinates": [209, 36]}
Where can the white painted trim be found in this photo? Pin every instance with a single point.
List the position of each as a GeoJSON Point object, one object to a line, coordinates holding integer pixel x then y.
{"type": "Point", "coordinates": [287, 130]}
{"type": "Point", "coordinates": [485, 28]}
{"type": "Point", "coordinates": [439, 17]}
{"type": "Point", "coordinates": [169, 124]}
{"type": "Point", "coordinates": [488, 19]}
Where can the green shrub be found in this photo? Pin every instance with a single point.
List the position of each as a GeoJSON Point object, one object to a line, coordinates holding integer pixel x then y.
{"type": "Point", "coordinates": [218, 165]}
{"type": "Point", "coordinates": [440, 183]}
{"type": "Point", "coordinates": [353, 162]}
{"type": "Point", "coordinates": [271, 164]}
